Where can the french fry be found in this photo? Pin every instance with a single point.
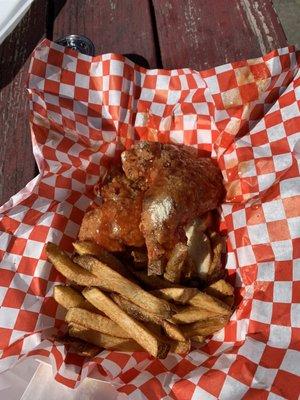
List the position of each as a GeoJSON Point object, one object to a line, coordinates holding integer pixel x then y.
{"type": "Point", "coordinates": [178, 294]}
{"type": "Point", "coordinates": [96, 322]}
{"type": "Point", "coordinates": [136, 330]}
{"type": "Point", "coordinates": [73, 285]}
{"type": "Point", "coordinates": [136, 311]}
{"type": "Point", "coordinates": [68, 297]}
{"type": "Point", "coordinates": [114, 343]}
{"type": "Point", "coordinates": [204, 328]}
{"type": "Point", "coordinates": [175, 265]}
{"type": "Point", "coordinates": [217, 244]}
{"type": "Point", "coordinates": [190, 314]}
{"type": "Point", "coordinates": [154, 328]}
{"type": "Point", "coordinates": [92, 249]}
{"type": "Point", "coordinates": [111, 321]}
{"type": "Point", "coordinates": [152, 281]}
{"type": "Point", "coordinates": [173, 331]}
{"type": "Point", "coordinates": [68, 268]}
{"type": "Point", "coordinates": [79, 346]}
{"type": "Point", "coordinates": [219, 289]}
{"type": "Point", "coordinates": [204, 300]}
{"type": "Point", "coordinates": [103, 340]}
{"type": "Point", "coordinates": [142, 315]}
{"type": "Point", "coordinates": [198, 339]}
{"type": "Point", "coordinates": [190, 270]}
{"type": "Point", "coordinates": [113, 281]}
{"type": "Point", "coordinates": [229, 300]}
{"type": "Point", "coordinates": [199, 251]}
{"type": "Point", "coordinates": [180, 347]}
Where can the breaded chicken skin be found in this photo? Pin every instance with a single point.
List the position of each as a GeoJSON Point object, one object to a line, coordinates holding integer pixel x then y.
{"type": "Point", "coordinates": [178, 187]}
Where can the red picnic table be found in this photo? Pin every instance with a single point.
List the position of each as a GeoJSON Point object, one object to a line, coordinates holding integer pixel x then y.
{"type": "Point", "coordinates": [198, 34]}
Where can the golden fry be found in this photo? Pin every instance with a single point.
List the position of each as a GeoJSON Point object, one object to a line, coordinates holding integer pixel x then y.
{"type": "Point", "coordinates": [190, 314]}
{"type": "Point", "coordinates": [152, 281]}
{"type": "Point", "coordinates": [220, 289]}
{"type": "Point", "coordinates": [92, 249]}
{"type": "Point", "coordinates": [181, 347]}
{"type": "Point", "coordinates": [204, 328]}
{"type": "Point", "coordinates": [80, 347]}
{"type": "Point", "coordinates": [198, 339]}
{"type": "Point", "coordinates": [179, 344]}
{"type": "Point", "coordinates": [178, 294]}
{"type": "Point", "coordinates": [68, 268]}
{"type": "Point", "coordinates": [114, 343]}
{"type": "Point", "coordinates": [199, 251]}
{"type": "Point", "coordinates": [103, 340]}
{"type": "Point", "coordinates": [154, 328]}
{"type": "Point", "coordinates": [217, 244]}
{"type": "Point", "coordinates": [68, 297]}
{"type": "Point", "coordinates": [229, 300]}
{"type": "Point", "coordinates": [96, 322]}
{"type": "Point", "coordinates": [136, 311]}
{"type": "Point", "coordinates": [165, 326]}
{"type": "Point", "coordinates": [142, 315]}
{"type": "Point", "coordinates": [203, 300]}
{"type": "Point", "coordinates": [137, 331]}
{"type": "Point", "coordinates": [173, 331]}
{"type": "Point", "coordinates": [175, 265]}
{"type": "Point", "coordinates": [113, 281]}
{"type": "Point", "coordinates": [190, 270]}
{"type": "Point", "coordinates": [73, 285]}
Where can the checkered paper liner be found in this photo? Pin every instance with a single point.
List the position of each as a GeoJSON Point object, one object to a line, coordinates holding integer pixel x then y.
{"type": "Point", "coordinates": [84, 111]}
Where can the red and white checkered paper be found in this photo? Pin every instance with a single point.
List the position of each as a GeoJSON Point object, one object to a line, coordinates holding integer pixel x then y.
{"type": "Point", "coordinates": [84, 111]}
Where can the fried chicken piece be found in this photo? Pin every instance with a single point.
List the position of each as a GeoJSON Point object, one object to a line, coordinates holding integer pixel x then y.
{"type": "Point", "coordinates": [178, 186]}
{"type": "Point", "coordinates": [115, 223]}
{"type": "Point", "coordinates": [137, 162]}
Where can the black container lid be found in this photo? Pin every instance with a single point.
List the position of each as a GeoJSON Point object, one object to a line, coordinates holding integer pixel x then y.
{"type": "Point", "coordinates": [79, 43]}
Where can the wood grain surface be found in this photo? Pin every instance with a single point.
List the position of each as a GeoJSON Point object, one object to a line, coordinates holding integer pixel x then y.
{"type": "Point", "coordinates": [119, 26]}
{"type": "Point", "coordinates": [201, 34]}
{"type": "Point", "coordinates": [17, 165]}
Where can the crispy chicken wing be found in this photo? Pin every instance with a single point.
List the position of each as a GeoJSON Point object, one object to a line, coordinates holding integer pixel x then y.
{"type": "Point", "coordinates": [178, 187]}
{"type": "Point", "coordinates": [115, 224]}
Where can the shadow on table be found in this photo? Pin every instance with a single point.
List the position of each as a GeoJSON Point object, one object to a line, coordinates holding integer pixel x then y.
{"type": "Point", "coordinates": [139, 60]}
{"type": "Point", "coordinates": [17, 47]}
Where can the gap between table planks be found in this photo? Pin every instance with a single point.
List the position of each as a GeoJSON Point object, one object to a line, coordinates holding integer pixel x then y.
{"type": "Point", "coordinates": [173, 33]}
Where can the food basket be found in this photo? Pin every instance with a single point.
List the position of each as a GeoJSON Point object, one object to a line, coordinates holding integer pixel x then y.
{"type": "Point", "coordinates": [83, 112]}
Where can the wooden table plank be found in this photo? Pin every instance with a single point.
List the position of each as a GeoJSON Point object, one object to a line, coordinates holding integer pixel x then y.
{"type": "Point", "coordinates": [120, 26]}
{"type": "Point", "coordinates": [202, 33]}
{"type": "Point", "coordinates": [17, 165]}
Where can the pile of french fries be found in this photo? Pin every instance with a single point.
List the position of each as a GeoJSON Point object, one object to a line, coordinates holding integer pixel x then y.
{"type": "Point", "coordinates": [119, 307]}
